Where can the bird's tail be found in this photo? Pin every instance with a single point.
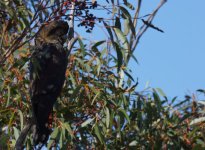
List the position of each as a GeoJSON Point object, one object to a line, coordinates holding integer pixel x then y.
{"type": "Point", "coordinates": [40, 134]}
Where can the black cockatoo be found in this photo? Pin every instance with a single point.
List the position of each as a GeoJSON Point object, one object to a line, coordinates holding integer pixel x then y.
{"type": "Point", "coordinates": [47, 75]}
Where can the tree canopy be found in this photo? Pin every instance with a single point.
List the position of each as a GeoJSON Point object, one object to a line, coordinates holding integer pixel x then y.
{"type": "Point", "coordinates": [100, 106]}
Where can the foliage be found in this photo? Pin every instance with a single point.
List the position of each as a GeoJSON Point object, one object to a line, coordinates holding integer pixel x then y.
{"type": "Point", "coordinates": [100, 106]}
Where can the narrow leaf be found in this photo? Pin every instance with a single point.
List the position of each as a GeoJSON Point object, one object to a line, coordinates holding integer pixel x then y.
{"type": "Point", "coordinates": [98, 43]}
{"type": "Point", "coordinates": [107, 117]}
{"type": "Point", "coordinates": [161, 92]}
{"type": "Point", "coordinates": [119, 55]}
{"type": "Point", "coordinates": [97, 132]}
{"type": "Point", "coordinates": [128, 16]}
{"type": "Point", "coordinates": [108, 30]}
{"type": "Point", "coordinates": [21, 118]}
{"type": "Point", "coordinates": [16, 133]}
{"type": "Point", "coordinates": [124, 42]}
{"type": "Point", "coordinates": [197, 120]}
{"type": "Point", "coordinates": [88, 121]}
{"type": "Point", "coordinates": [125, 114]}
{"type": "Point", "coordinates": [8, 96]}
{"type": "Point", "coordinates": [118, 23]}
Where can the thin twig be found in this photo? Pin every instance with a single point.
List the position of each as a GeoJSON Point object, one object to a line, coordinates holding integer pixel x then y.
{"type": "Point", "coordinates": [145, 27]}
{"type": "Point", "coordinates": [135, 20]}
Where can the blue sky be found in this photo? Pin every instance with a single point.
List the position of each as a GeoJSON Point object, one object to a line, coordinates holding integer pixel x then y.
{"type": "Point", "coordinates": [173, 61]}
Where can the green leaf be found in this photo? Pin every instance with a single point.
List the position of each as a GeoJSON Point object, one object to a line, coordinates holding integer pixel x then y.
{"type": "Point", "coordinates": [129, 5]}
{"type": "Point", "coordinates": [16, 133]}
{"type": "Point", "coordinates": [117, 23]}
{"type": "Point", "coordinates": [107, 113]}
{"type": "Point", "coordinates": [98, 63]}
{"type": "Point", "coordinates": [174, 99]}
{"type": "Point", "coordinates": [83, 64]}
{"type": "Point", "coordinates": [8, 96]}
{"type": "Point", "coordinates": [88, 121]}
{"type": "Point", "coordinates": [201, 102]}
{"type": "Point", "coordinates": [126, 27]}
{"type": "Point", "coordinates": [104, 51]}
{"type": "Point", "coordinates": [108, 30]}
{"type": "Point", "coordinates": [128, 16]}
{"type": "Point", "coordinates": [125, 114]}
{"type": "Point", "coordinates": [121, 78]}
{"type": "Point", "coordinates": [21, 118]}
{"type": "Point", "coordinates": [125, 12]}
{"type": "Point", "coordinates": [61, 140]}
{"type": "Point", "coordinates": [161, 92]}
{"type": "Point", "coordinates": [53, 137]}
{"type": "Point", "coordinates": [124, 42]}
{"type": "Point", "coordinates": [76, 92]}
{"type": "Point", "coordinates": [180, 103]}
{"type": "Point", "coordinates": [98, 44]}
{"type": "Point", "coordinates": [68, 128]}
{"type": "Point", "coordinates": [54, 134]}
{"type": "Point", "coordinates": [129, 76]}
{"type": "Point", "coordinates": [133, 143]}
{"type": "Point", "coordinates": [119, 55]}
{"type": "Point", "coordinates": [74, 84]}
{"type": "Point", "coordinates": [98, 133]}
{"type": "Point", "coordinates": [201, 90]}
{"type": "Point", "coordinates": [197, 120]}
{"type": "Point", "coordinates": [82, 47]}
{"type": "Point", "coordinates": [63, 131]}
{"type": "Point", "coordinates": [96, 95]}
{"type": "Point", "coordinates": [11, 119]}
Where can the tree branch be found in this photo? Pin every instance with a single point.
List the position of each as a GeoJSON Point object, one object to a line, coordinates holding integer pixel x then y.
{"type": "Point", "coordinates": [20, 141]}
{"type": "Point", "coordinates": [71, 38]}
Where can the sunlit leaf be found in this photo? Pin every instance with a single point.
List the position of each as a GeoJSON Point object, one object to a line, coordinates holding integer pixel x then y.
{"type": "Point", "coordinates": [16, 133]}
{"type": "Point", "coordinates": [107, 117]}
{"type": "Point", "coordinates": [53, 137]}
{"type": "Point", "coordinates": [21, 118]}
{"type": "Point", "coordinates": [124, 42]}
{"type": "Point", "coordinates": [161, 92]}
{"type": "Point", "coordinates": [68, 128]}
{"type": "Point", "coordinates": [61, 140]}
{"type": "Point", "coordinates": [126, 26]}
{"type": "Point", "coordinates": [201, 102]}
{"type": "Point", "coordinates": [133, 143]}
{"type": "Point", "coordinates": [197, 120]}
{"type": "Point", "coordinates": [88, 121]}
{"type": "Point", "coordinates": [8, 96]}
{"type": "Point", "coordinates": [81, 46]}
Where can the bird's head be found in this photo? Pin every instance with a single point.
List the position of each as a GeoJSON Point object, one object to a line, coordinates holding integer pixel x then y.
{"type": "Point", "coordinates": [54, 32]}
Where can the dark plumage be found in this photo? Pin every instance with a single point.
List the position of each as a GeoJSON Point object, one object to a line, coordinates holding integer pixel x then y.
{"type": "Point", "coordinates": [47, 74]}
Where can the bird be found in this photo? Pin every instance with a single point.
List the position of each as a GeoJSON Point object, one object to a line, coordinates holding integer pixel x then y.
{"type": "Point", "coordinates": [48, 65]}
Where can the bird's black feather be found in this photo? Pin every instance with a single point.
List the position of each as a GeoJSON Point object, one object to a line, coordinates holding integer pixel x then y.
{"type": "Point", "coordinates": [47, 75]}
